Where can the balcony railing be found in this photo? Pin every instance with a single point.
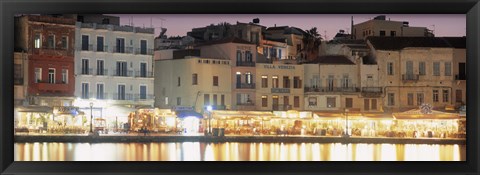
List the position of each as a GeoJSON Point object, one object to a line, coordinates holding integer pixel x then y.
{"type": "Point", "coordinates": [139, 51]}
{"type": "Point", "coordinates": [86, 71]}
{"type": "Point", "coordinates": [247, 64]}
{"type": "Point", "coordinates": [51, 51]}
{"type": "Point", "coordinates": [332, 89]}
{"type": "Point", "coordinates": [372, 91]}
{"type": "Point", "coordinates": [100, 96]}
{"type": "Point", "coordinates": [127, 50]}
{"type": "Point", "coordinates": [245, 104]}
{"type": "Point", "coordinates": [102, 72]}
{"type": "Point", "coordinates": [125, 96]}
{"type": "Point", "coordinates": [245, 86]}
{"type": "Point", "coordinates": [460, 77]}
{"type": "Point", "coordinates": [85, 48]}
{"type": "Point", "coordinates": [18, 81]}
{"type": "Point", "coordinates": [281, 107]}
{"type": "Point", "coordinates": [410, 77]}
{"type": "Point", "coordinates": [141, 97]}
{"type": "Point", "coordinates": [101, 49]}
{"type": "Point", "coordinates": [143, 74]}
{"type": "Point", "coordinates": [44, 86]}
{"type": "Point", "coordinates": [122, 73]}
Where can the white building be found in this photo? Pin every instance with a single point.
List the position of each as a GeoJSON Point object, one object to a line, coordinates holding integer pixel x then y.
{"type": "Point", "coordinates": [113, 69]}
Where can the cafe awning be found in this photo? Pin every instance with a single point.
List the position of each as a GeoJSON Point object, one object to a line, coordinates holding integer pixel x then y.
{"type": "Point", "coordinates": [328, 115]}
{"type": "Point", "coordinates": [185, 114]}
{"type": "Point", "coordinates": [240, 114]}
{"type": "Point", "coordinates": [416, 114]}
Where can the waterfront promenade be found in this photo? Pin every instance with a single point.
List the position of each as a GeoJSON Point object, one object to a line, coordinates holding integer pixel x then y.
{"type": "Point", "coordinates": [140, 138]}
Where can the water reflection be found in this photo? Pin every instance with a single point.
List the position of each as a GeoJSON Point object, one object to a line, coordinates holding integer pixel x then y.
{"type": "Point", "coordinates": [195, 151]}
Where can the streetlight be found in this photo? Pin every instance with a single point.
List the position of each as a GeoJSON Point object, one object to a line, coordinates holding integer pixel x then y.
{"type": "Point", "coordinates": [209, 109]}
{"type": "Point", "coordinates": [91, 117]}
{"type": "Point", "coordinates": [346, 123]}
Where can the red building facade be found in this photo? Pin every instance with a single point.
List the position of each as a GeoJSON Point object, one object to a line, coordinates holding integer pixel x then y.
{"type": "Point", "coordinates": [49, 43]}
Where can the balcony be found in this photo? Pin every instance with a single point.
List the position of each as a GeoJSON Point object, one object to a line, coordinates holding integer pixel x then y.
{"type": "Point", "coordinates": [143, 74]}
{"type": "Point", "coordinates": [85, 47]}
{"type": "Point", "coordinates": [122, 73]}
{"type": "Point", "coordinates": [460, 77]}
{"type": "Point", "coordinates": [18, 81]}
{"type": "Point", "coordinates": [51, 51]}
{"type": "Point", "coordinates": [143, 97]}
{"type": "Point", "coordinates": [246, 64]}
{"type": "Point", "coordinates": [126, 50]}
{"type": "Point", "coordinates": [245, 86]}
{"type": "Point", "coordinates": [102, 72]}
{"type": "Point", "coordinates": [372, 92]}
{"type": "Point", "coordinates": [125, 96]}
{"type": "Point", "coordinates": [410, 77]}
{"type": "Point", "coordinates": [280, 90]}
{"type": "Point", "coordinates": [139, 51]}
{"type": "Point", "coordinates": [101, 49]}
{"type": "Point", "coordinates": [245, 104]}
{"type": "Point", "coordinates": [86, 71]}
{"type": "Point", "coordinates": [99, 96]}
{"type": "Point", "coordinates": [43, 86]}
{"type": "Point", "coordinates": [332, 89]}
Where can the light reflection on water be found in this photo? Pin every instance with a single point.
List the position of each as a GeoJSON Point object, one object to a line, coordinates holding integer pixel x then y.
{"type": "Point", "coordinates": [195, 151]}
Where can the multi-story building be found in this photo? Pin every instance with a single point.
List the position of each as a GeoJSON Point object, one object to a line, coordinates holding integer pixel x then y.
{"type": "Point", "coordinates": [193, 81]}
{"type": "Point", "coordinates": [113, 68]}
{"type": "Point", "coordinates": [380, 26]}
{"type": "Point", "coordinates": [272, 50]}
{"type": "Point", "coordinates": [417, 70]}
{"type": "Point", "coordinates": [49, 45]}
{"type": "Point", "coordinates": [293, 37]}
{"type": "Point", "coordinates": [20, 81]}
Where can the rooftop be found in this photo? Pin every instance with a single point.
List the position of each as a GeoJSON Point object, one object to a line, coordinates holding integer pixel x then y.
{"type": "Point", "coordinates": [332, 59]}
{"type": "Point", "coordinates": [399, 43]}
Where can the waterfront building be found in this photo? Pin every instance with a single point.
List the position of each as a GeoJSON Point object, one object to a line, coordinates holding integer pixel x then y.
{"type": "Point", "coordinates": [113, 69]}
{"type": "Point", "coordinates": [293, 37]}
{"type": "Point", "coordinates": [380, 26]}
{"type": "Point", "coordinates": [271, 50]}
{"type": "Point", "coordinates": [46, 46]}
{"type": "Point", "coordinates": [417, 70]}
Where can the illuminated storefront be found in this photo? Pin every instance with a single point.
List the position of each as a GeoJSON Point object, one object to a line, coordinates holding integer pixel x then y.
{"type": "Point", "coordinates": [414, 123]}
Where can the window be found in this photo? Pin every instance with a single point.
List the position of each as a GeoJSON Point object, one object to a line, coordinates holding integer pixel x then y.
{"type": "Point", "coordinates": [421, 68]}
{"type": "Point", "coordinates": [366, 104]}
{"type": "Point", "coordinates": [100, 47]}
{"type": "Point", "coordinates": [420, 99]}
{"type": "Point", "coordinates": [275, 105]}
{"type": "Point", "coordinates": [448, 69]}
{"type": "Point", "coordinates": [51, 76]}
{"type": "Point", "coordinates": [100, 94]}
{"type": "Point", "coordinates": [85, 42]}
{"type": "Point", "coordinates": [239, 56]}
{"type": "Point", "coordinates": [65, 76]}
{"type": "Point", "coordinates": [222, 100]}
{"type": "Point", "coordinates": [286, 101]}
{"type": "Point", "coordinates": [38, 75]}
{"type": "Point", "coordinates": [206, 99]}
{"type": "Point", "coordinates": [286, 82]}
{"type": "Point", "coordinates": [143, 47]}
{"type": "Point", "coordinates": [120, 47]}
{"type": "Point", "coordinates": [458, 95]}
{"type": "Point", "coordinates": [391, 99]}
{"type": "Point", "coordinates": [64, 42]}
{"type": "Point", "coordinates": [331, 102]}
{"type": "Point", "coordinates": [264, 101]}
{"type": "Point", "coordinates": [38, 41]}
{"type": "Point", "coordinates": [100, 67]}
{"type": "Point", "coordinates": [436, 68]}
{"type": "Point", "coordinates": [178, 81]}
{"type": "Point", "coordinates": [121, 68]}
{"type": "Point", "coordinates": [382, 32]}
{"type": "Point", "coordinates": [243, 99]}
{"type": "Point", "coordinates": [143, 92]}
{"type": "Point", "coordinates": [296, 101]}
{"type": "Point", "coordinates": [264, 81]}
{"type": "Point", "coordinates": [274, 81]}
{"type": "Point", "coordinates": [143, 70]}
{"type": "Point", "coordinates": [179, 101]}
{"type": "Point", "coordinates": [279, 53]}
{"type": "Point", "coordinates": [121, 92]}
{"type": "Point", "coordinates": [345, 81]}
{"type": "Point", "coordinates": [215, 80]}
{"type": "Point", "coordinates": [85, 67]}
{"type": "Point", "coordinates": [166, 100]}
{"type": "Point", "coordinates": [51, 41]}
{"type": "Point", "coordinates": [194, 79]}
{"type": "Point", "coordinates": [393, 33]}
{"type": "Point", "coordinates": [215, 100]}
{"type": "Point", "coordinates": [410, 99]}
{"type": "Point", "coordinates": [374, 104]}
{"type": "Point", "coordinates": [248, 56]}
{"type": "Point", "coordinates": [85, 90]}
{"type": "Point", "coordinates": [435, 95]}
{"type": "Point", "coordinates": [330, 82]}
{"type": "Point", "coordinates": [348, 103]}
{"type": "Point", "coordinates": [312, 101]}
{"type": "Point", "coordinates": [248, 77]}
{"type": "Point", "coordinates": [445, 95]}
{"type": "Point", "coordinates": [390, 68]}
{"type": "Point", "coordinates": [297, 83]}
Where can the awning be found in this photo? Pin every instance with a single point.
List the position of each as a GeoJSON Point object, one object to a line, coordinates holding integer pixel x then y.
{"type": "Point", "coordinates": [417, 115]}
{"type": "Point", "coordinates": [184, 114]}
{"type": "Point", "coordinates": [329, 115]}
{"type": "Point", "coordinates": [240, 114]}
{"type": "Point", "coordinates": [37, 109]}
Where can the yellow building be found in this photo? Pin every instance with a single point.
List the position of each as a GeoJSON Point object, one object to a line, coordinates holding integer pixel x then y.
{"type": "Point", "coordinates": [380, 26]}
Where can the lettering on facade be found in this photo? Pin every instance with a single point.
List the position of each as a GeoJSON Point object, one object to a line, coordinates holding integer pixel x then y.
{"type": "Point", "coordinates": [278, 67]}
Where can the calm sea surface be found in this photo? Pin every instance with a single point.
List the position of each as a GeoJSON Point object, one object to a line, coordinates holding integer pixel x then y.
{"type": "Point", "coordinates": [196, 151]}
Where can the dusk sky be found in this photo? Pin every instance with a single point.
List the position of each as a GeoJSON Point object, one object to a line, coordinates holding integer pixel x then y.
{"type": "Point", "coordinates": [180, 24]}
